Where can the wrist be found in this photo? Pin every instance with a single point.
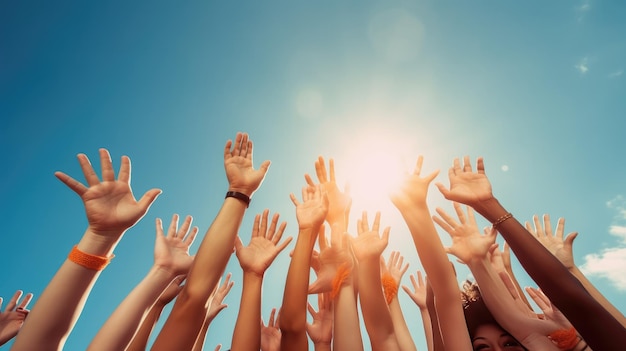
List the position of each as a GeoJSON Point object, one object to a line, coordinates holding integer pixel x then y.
{"type": "Point", "coordinates": [252, 276]}
{"type": "Point", "coordinates": [94, 243]}
{"type": "Point", "coordinates": [240, 196]}
{"type": "Point", "coordinates": [246, 191]}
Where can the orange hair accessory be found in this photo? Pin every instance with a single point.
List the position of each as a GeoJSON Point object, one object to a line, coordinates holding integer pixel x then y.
{"type": "Point", "coordinates": [96, 263]}
{"type": "Point", "coordinates": [390, 287]}
{"type": "Point", "coordinates": [565, 339]}
{"type": "Point", "coordinates": [342, 274]}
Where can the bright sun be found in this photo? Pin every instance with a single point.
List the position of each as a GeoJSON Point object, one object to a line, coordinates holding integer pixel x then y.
{"type": "Point", "coordinates": [373, 172]}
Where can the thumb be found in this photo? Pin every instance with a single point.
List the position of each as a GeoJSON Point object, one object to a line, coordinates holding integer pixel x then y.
{"type": "Point", "coordinates": [443, 190]}
{"type": "Point", "coordinates": [569, 240]}
{"type": "Point", "coordinates": [238, 243]}
{"type": "Point", "coordinates": [148, 198]}
{"type": "Point", "coordinates": [265, 166]}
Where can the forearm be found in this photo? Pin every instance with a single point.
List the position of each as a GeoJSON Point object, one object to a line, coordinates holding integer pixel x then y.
{"type": "Point", "coordinates": [247, 334]}
{"type": "Point", "coordinates": [563, 289]}
{"type": "Point", "coordinates": [200, 339]}
{"type": "Point", "coordinates": [57, 309]}
{"type": "Point", "coordinates": [596, 294]}
{"type": "Point", "coordinates": [518, 287]}
{"type": "Point", "coordinates": [499, 300]}
{"type": "Point", "coordinates": [293, 311]}
{"type": "Point", "coordinates": [399, 325]}
{"type": "Point", "coordinates": [140, 340]}
{"type": "Point", "coordinates": [374, 306]}
{"type": "Point", "coordinates": [347, 331]}
{"type": "Point", "coordinates": [322, 347]}
{"type": "Point", "coordinates": [187, 317]}
{"type": "Point", "coordinates": [428, 328]}
{"type": "Point", "coordinates": [442, 279]}
{"type": "Point", "coordinates": [437, 340]}
{"type": "Point", "coordinates": [118, 331]}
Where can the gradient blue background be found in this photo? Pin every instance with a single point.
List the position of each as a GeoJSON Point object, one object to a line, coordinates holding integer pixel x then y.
{"type": "Point", "coordinates": [535, 87]}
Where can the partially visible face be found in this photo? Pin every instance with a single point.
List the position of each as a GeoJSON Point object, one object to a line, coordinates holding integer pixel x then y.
{"type": "Point", "coordinates": [490, 337]}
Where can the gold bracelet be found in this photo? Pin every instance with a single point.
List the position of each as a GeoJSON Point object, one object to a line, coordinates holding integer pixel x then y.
{"type": "Point", "coordinates": [501, 219]}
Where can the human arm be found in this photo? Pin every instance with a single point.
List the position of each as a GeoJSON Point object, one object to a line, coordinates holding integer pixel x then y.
{"type": "Point", "coordinates": [188, 314]}
{"type": "Point", "coordinates": [469, 246]}
{"type": "Point", "coordinates": [140, 340]}
{"type": "Point", "coordinates": [111, 210]}
{"type": "Point", "coordinates": [564, 290]}
{"type": "Point", "coordinates": [562, 248]}
{"type": "Point", "coordinates": [411, 202]}
{"type": "Point", "coordinates": [321, 330]}
{"type": "Point", "coordinates": [419, 295]}
{"type": "Point", "coordinates": [367, 248]}
{"type": "Point", "coordinates": [396, 268]}
{"type": "Point", "coordinates": [171, 259]}
{"type": "Point", "coordinates": [214, 307]}
{"type": "Point", "coordinates": [270, 333]}
{"type": "Point", "coordinates": [310, 214]}
{"type": "Point", "coordinates": [13, 316]}
{"type": "Point", "coordinates": [254, 259]}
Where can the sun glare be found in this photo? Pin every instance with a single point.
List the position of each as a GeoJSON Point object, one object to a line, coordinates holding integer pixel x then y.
{"type": "Point", "coordinates": [373, 174]}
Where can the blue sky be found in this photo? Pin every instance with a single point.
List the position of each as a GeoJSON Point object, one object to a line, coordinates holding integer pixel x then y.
{"type": "Point", "coordinates": [535, 87]}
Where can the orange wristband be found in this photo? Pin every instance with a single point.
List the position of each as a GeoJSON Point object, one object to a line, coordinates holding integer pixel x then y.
{"type": "Point", "coordinates": [389, 287]}
{"type": "Point", "coordinates": [342, 274]}
{"type": "Point", "coordinates": [565, 339]}
{"type": "Point", "coordinates": [96, 263]}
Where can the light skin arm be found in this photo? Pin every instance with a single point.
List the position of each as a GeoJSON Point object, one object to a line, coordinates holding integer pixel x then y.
{"type": "Point", "coordinates": [346, 328]}
{"type": "Point", "coordinates": [367, 248]}
{"type": "Point", "coordinates": [396, 268]}
{"type": "Point", "coordinates": [171, 259]}
{"type": "Point", "coordinates": [188, 314]}
{"type": "Point", "coordinates": [411, 201]}
{"type": "Point", "coordinates": [310, 214]}
{"type": "Point", "coordinates": [270, 333]}
{"type": "Point", "coordinates": [564, 290]}
{"type": "Point", "coordinates": [13, 316]}
{"type": "Point", "coordinates": [506, 260]}
{"type": "Point", "coordinates": [215, 306]}
{"type": "Point", "coordinates": [473, 248]}
{"type": "Point", "coordinates": [419, 295]}
{"type": "Point", "coordinates": [321, 330]}
{"type": "Point", "coordinates": [254, 259]}
{"type": "Point", "coordinates": [562, 248]}
{"type": "Point", "coordinates": [111, 210]}
{"type": "Point", "coordinates": [140, 340]}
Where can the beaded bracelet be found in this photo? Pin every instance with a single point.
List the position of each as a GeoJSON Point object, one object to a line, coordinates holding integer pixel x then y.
{"type": "Point", "coordinates": [501, 219]}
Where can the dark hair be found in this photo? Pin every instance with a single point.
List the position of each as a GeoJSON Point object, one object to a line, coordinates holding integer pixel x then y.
{"type": "Point", "coordinates": [474, 308]}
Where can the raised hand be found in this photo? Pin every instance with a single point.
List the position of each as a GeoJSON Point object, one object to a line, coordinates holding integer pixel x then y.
{"type": "Point", "coordinates": [338, 202]}
{"type": "Point", "coordinates": [466, 186]}
{"type": "Point", "coordinates": [414, 188]}
{"type": "Point", "coordinates": [418, 295]}
{"type": "Point", "coordinates": [216, 300]}
{"type": "Point", "coordinates": [110, 204]}
{"type": "Point", "coordinates": [467, 242]}
{"type": "Point", "coordinates": [369, 244]}
{"type": "Point", "coordinates": [321, 330]}
{"type": "Point", "coordinates": [312, 211]}
{"type": "Point", "coordinates": [171, 251]}
{"type": "Point", "coordinates": [264, 245]}
{"type": "Point", "coordinates": [13, 316]}
{"type": "Point", "coordinates": [242, 177]}
{"type": "Point", "coordinates": [329, 261]}
{"type": "Point", "coordinates": [560, 247]}
{"type": "Point", "coordinates": [270, 333]}
{"type": "Point", "coordinates": [550, 312]}
{"type": "Point", "coordinates": [395, 266]}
